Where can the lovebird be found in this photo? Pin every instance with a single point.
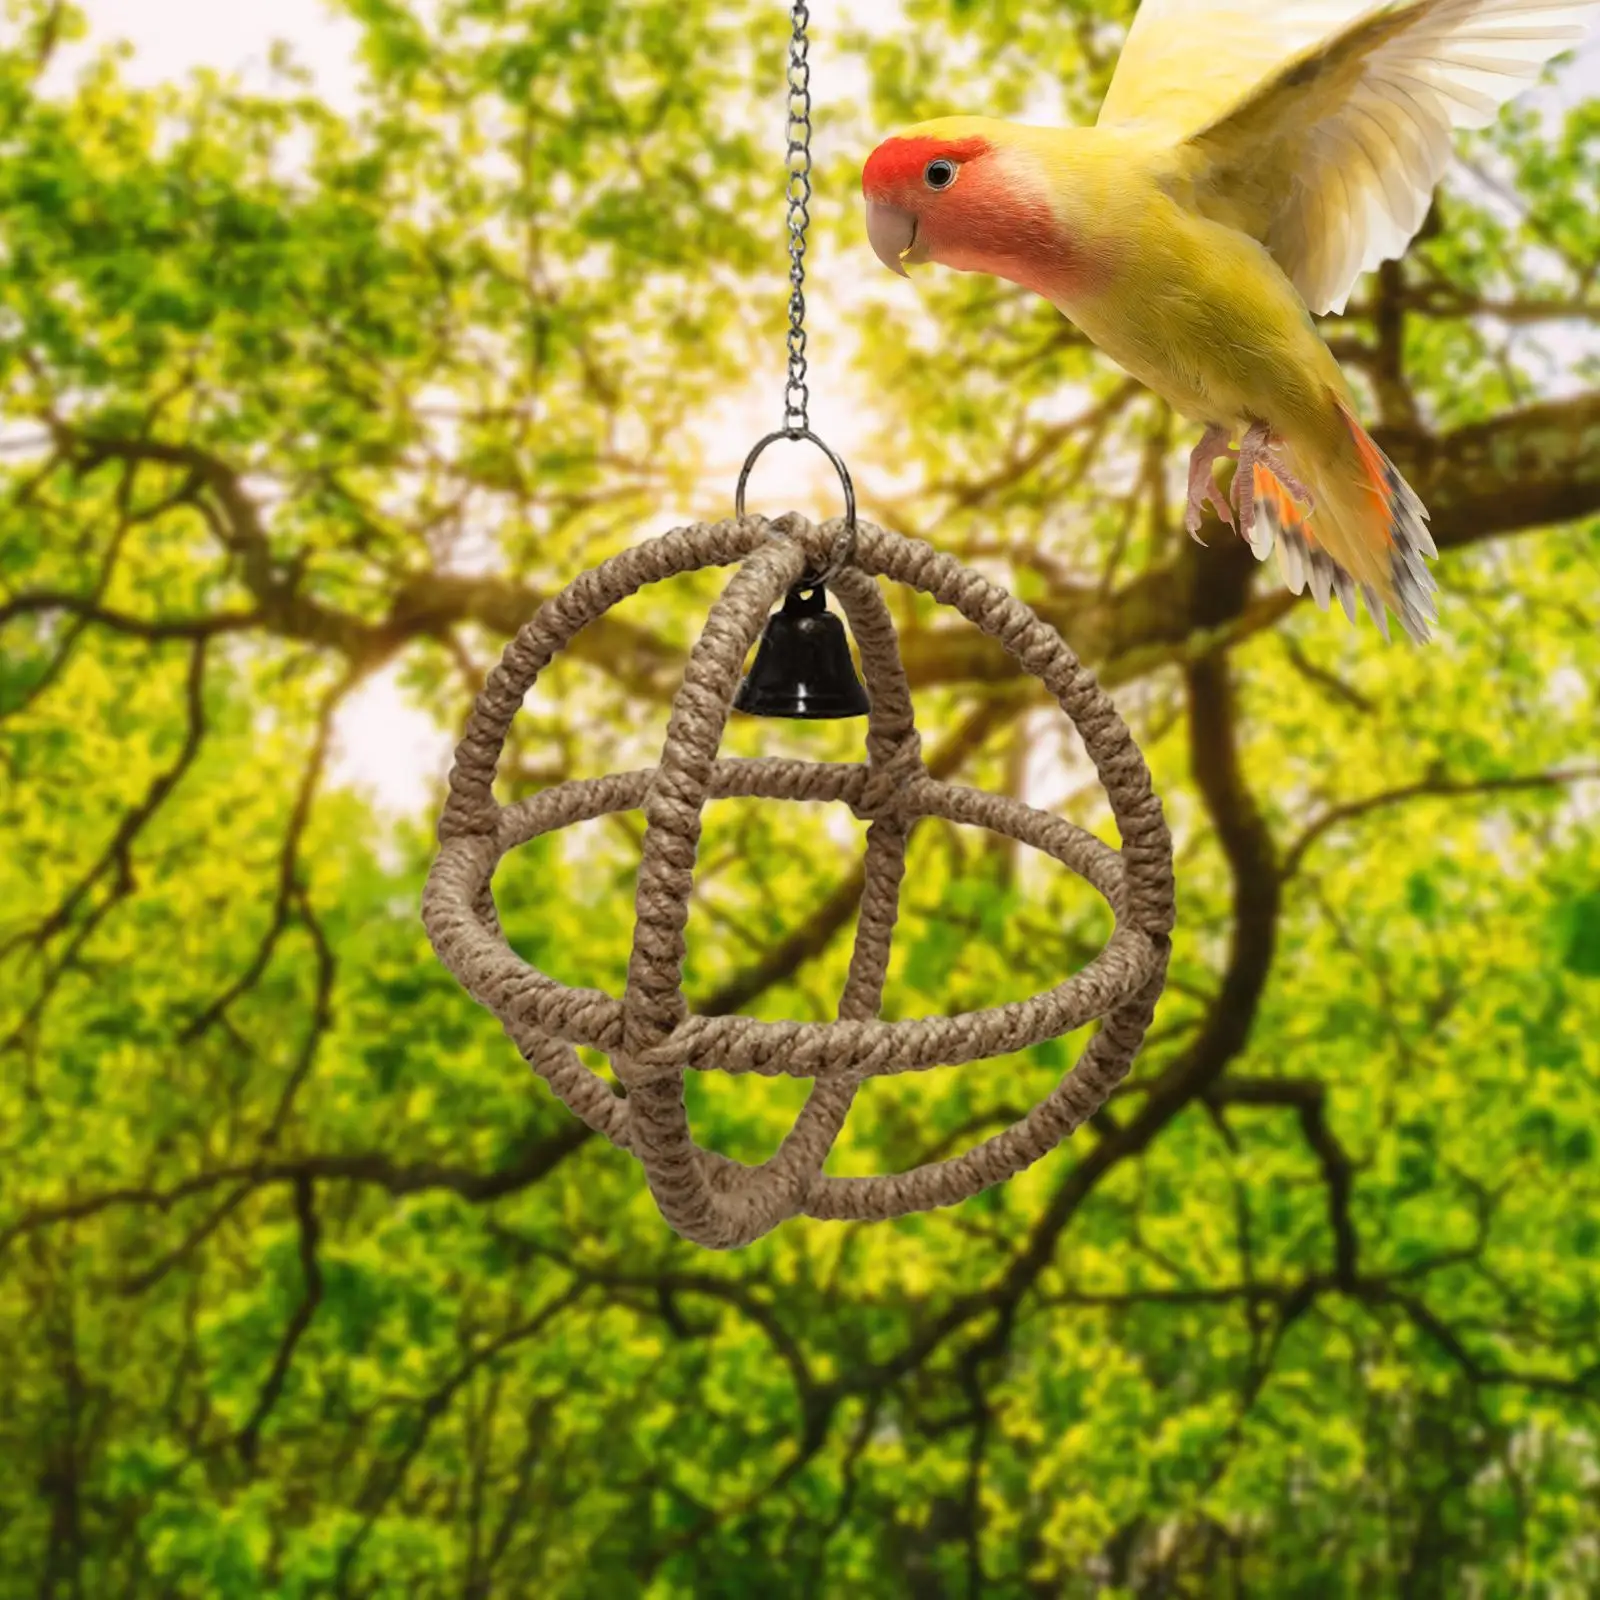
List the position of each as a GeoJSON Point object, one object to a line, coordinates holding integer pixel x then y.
{"type": "Point", "coordinates": [1252, 158]}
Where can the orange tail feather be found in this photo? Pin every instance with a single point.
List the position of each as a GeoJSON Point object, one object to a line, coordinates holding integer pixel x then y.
{"type": "Point", "coordinates": [1371, 516]}
{"type": "Point", "coordinates": [1395, 531]}
{"type": "Point", "coordinates": [1301, 557]}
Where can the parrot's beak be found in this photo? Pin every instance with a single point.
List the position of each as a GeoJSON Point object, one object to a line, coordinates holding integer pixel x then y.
{"type": "Point", "coordinates": [893, 234]}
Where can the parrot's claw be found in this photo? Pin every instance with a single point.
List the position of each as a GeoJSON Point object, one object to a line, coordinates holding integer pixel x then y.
{"type": "Point", "coordinates": [1259, 447]}
{"type": "Point", "coordinates": [1280, 470]}
{"type": "Point", "coordinates": [1203, 490]}
{"type": "Point", "coordinates": [1255, 446]}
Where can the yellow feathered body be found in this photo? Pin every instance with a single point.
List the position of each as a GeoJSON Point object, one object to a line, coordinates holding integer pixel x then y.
{"type": "Point", "coordinates": [1201, 314]}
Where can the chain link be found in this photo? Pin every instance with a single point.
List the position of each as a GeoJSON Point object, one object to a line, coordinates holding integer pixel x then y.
{"type": "Point", "coordinates": [796, 395]}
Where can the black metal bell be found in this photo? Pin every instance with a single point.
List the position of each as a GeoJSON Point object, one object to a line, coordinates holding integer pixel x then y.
{"type": "Point", "coordinates": [802, 667]}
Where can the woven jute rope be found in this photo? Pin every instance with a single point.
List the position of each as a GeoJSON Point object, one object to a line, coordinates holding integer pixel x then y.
{"type": "Point", "coordinates": [649, 1034]}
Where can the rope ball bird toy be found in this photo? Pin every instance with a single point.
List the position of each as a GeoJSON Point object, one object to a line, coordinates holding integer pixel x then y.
{"type": "Point", "coordinates": [802, 669]}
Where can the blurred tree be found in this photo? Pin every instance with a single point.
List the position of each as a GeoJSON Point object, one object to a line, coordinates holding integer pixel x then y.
{"type": "Point", "coordinates": [308, 1291]}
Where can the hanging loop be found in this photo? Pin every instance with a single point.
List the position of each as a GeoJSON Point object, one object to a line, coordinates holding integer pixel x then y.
{"type": "Point", "coordinates": [844, 543]}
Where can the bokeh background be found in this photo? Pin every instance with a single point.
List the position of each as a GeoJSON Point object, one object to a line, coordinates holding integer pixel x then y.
{"type": "Point", "coordinates": [321, 365]}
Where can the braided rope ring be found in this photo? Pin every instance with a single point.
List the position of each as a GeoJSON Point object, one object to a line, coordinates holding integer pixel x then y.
{"type": "Point", "coordinates": [649, 1033]}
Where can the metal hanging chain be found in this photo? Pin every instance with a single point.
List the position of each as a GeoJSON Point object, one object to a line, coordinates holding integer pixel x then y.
{"type": "Point", "coordinates": [797, 161]}
{"type": "Point", "coordinates": [797, 193]}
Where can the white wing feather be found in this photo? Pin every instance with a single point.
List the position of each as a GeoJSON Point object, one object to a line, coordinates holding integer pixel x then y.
{"type": "Point", "coordinates": [1331, 155]}
{"type": "Point", "coordinates": [1186, 62]}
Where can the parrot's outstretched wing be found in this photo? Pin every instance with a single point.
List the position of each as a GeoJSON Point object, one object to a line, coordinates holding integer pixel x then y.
{"type": "Point", "coordinates": [1330, 157]}
{"type": "Point", "coordinates": [1187, 62]}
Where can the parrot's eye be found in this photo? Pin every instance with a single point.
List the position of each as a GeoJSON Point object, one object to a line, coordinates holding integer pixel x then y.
{"type": "Point", "coordinates": [939, 174]}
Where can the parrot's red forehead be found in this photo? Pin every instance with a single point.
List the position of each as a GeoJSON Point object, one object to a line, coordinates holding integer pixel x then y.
{"type": "Point", "coordinates": [897, 160]}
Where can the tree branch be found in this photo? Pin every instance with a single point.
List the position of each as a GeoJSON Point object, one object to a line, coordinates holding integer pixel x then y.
{"type": "Point", "coordinates": [42, 602]}
{"type": "Point", "coordinates": [1310, 1102]}
{"type": "Point", "coordinates": [536, 1159]}
{"type": "Point", "coordinates": [305, 1211]}
{"type": "Point", "coordinates": [1349, 810]}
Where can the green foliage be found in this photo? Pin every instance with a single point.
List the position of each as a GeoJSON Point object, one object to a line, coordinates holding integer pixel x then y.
{"type": "Point", "coordinates": [308, 1290]}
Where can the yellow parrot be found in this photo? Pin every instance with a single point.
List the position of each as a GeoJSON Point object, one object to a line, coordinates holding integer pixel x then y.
{"type": "Point", "coordinates": [1249, 163]}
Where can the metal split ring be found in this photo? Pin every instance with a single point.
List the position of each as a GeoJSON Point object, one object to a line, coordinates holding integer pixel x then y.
{"type": "Point", "coordinates": [845, 543]}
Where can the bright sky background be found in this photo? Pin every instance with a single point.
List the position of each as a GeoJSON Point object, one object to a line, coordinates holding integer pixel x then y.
{"type": "Point", "coordinates": [383, 744]}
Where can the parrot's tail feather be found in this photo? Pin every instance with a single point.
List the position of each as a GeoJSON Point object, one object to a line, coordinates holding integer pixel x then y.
{"type": "Point", "coordinates": [1282, 524]}
{"type": "Point", "coordinates": [1367, 531]}
{"type": "Point", "coordinates": [1392, 527]}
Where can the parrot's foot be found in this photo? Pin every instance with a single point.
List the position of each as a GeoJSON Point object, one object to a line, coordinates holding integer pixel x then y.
{"type": "Point", "coordinates": [1252, 448]}
{"type": "Point", "coordinates": [1203, 489]}
{"type": "Point", "coordinates": [1259, 446]}
{"type": "Point", "coordinates": [1280, 470]}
